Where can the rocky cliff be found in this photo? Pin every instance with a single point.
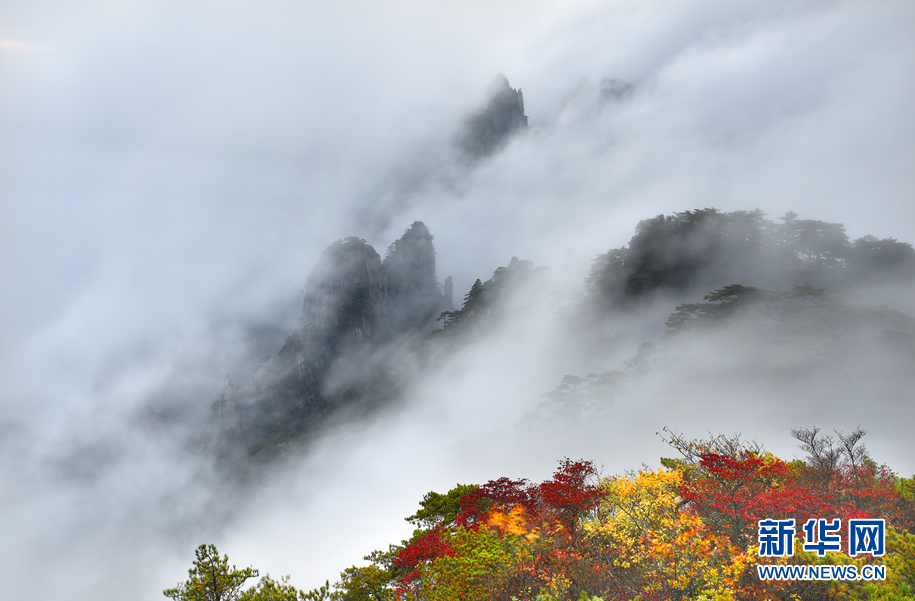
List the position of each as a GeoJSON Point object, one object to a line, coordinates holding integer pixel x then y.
{"type": "Point", "coordinates": [486, 131]}
{"type": "Point", "coordinates": [356, 310]}
{"type": "Point", "coordinates": [415, 298]}
{"type": "Point", "coordinates": [345, 293]}
{"type": "Point", "coordinates": [352, 295]}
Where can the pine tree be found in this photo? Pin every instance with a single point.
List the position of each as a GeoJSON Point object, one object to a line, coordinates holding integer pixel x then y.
{"type": "Point", "coordinates": [211, 578]}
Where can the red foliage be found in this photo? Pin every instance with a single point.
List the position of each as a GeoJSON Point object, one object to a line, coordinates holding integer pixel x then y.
{"type": "Point", "coordinates": [425, 549]}
{"type": "Point", "coordinates": [554, 505]}
{"type": "Point", "coordinates": [730, 491]}
{"type": "Point", "coordinates": [736, 492]}
{"type": "Point", "coordinates": [562, 499]}
{"type": "Point", "coordinates": [569, 494]}
{"type": "Point", "coordinates": [872, 492]}
{"type": "Point", "coordinates": [753, 487]}
{"type": "Point", "coordinates": [502, 493]}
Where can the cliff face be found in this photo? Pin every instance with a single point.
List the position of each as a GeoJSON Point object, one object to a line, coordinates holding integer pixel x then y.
{"type": "Point", "coordinates": [346, 291]}
{"type": "Point", "coordinates": [353, 295]}
{"type": "Point", "coordinates": [410, 262]}
{"type": "Point", "coordinates": [415, 299]}
{"type": "Point", "coordinates": [355, 308]}
{"type": "Point", "coordinates": [488, 130]}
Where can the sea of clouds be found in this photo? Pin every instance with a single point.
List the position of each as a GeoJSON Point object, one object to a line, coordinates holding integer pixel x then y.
{"type": "Point", "coordinates": [170, 172]}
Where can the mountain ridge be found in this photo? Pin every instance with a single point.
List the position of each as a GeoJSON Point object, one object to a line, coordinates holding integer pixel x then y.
{"type": "Point", "coordinates": [370, 323]}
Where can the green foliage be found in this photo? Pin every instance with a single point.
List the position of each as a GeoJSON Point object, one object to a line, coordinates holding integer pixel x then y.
{"type": "Point", "coordinates": [211, 578]}
{"type": "Point", "coordinates": [486, 300]}
{"type": "Point", "coordinates": [906, 488]}
{"type": "Point", "coordinates": [322, 593]}
{"type": "Point", "coordinates": [482, 564]}
{"type": "Point", "coordinates": [271, 590]}
{"type": "Point", "coordinates": [369, 583]}
{"type": "Point", "coordinates": [900, 573]}
{"type": "Point", "coordinates": [439, 509]}
{"type": "Point", "coordinates": [709, 248]}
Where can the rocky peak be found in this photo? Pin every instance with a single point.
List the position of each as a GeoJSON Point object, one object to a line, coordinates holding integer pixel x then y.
{"type": "Point", "coordinates": [614, 89]}
{"type": "Point", "coordinates": [346, 289]}
{"type": "Point", "coordinates": [486, 131]}
{"type": "Point", "coordinates": [353, 295]}
{"type": "Point", "coordinates": [415, 296]}
{"type": "Point", "coordinates": [410, 261]}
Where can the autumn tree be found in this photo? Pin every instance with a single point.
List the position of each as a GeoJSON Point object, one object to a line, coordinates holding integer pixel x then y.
{"type": "Point", "coordinates": [438, 509]}
{"type": "Point", "coordinates": [733, 483]}
{"type": "Point", "coordinates": [688, 531]}
{"type": "Point", "coordinates": [647, 542]}
{"type": "Point", "coordinates": [505, 538]}
{"type": "Point", "coordinates": [841, 470]}
{"type": "Point", "coordinates": [571, 493]}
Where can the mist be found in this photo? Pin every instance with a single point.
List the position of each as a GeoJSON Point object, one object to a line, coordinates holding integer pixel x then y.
{"type": "Point", "coordinates": [171, 171]}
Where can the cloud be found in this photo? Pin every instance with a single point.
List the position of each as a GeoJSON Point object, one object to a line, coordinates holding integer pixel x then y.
{"type": "Point", "coordinates": [18, 46]}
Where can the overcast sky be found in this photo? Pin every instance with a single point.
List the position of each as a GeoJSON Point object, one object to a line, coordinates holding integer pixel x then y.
{"type": "Point", "coordinates": [171, 170]}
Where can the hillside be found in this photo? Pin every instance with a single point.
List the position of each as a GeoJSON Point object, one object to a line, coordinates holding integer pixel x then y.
{"type": "Point", "coordinates": [725, 519]}
{"type": "Point", "coordinates": [371, 326]}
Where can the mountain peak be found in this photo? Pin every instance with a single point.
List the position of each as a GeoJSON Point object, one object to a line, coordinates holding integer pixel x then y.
{"type": "Point", "coordinates": [487, 130]}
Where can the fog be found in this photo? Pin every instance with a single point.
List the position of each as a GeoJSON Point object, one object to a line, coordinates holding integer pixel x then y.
{"type": "Point", "coordinates": [170, 172]}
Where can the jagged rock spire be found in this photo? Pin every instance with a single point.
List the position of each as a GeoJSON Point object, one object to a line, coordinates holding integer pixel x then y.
{"type": "Point", "coordinates": [346, 289]}
{"type": "Point", "coordinates": [410, 261]}
{"type": "Point", "coordinates": [353, 295]}
{"type": "Point", "coordinates": [486, 131]}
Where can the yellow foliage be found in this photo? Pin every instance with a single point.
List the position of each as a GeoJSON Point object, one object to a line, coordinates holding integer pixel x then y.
{"type": "Point", "coordinates": [645, 530]}
{"type": "Point", "coordinates": [513, 522]}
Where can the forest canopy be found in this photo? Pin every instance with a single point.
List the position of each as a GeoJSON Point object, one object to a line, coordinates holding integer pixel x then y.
{"type": "Point", "coordinates": [692, 529]}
